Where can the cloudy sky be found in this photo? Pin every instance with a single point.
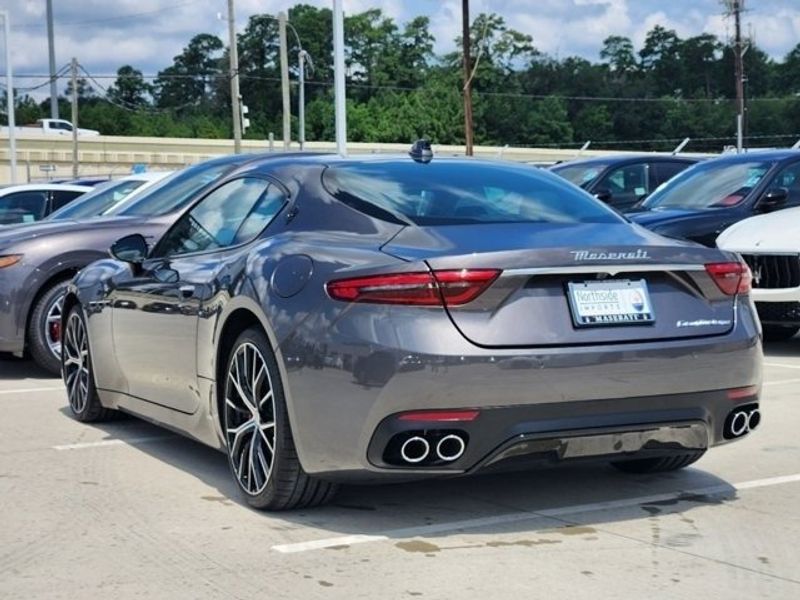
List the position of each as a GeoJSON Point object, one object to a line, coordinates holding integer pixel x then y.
{"type": "Point", "coordinates": [106, 34]}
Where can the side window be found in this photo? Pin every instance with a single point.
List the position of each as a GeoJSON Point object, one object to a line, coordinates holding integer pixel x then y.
{"type": "Point", "coordinates": [667, 170]}
{"type": "Point", "coordinates": [64, 197]}
{"type": "Point", "coordinates": [232, 214]}
{"type": "Point", "coordinates": [22, 207]}
{"type": "Point", "coordinates": [789, 178]}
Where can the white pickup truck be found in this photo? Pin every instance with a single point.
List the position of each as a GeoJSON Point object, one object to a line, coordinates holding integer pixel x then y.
{"type": "Point", "coordinates": [49, 127]}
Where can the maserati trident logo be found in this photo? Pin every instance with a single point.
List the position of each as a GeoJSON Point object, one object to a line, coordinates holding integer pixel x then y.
{"type": "Point", "coordinates": [588, 255]}
{"type": "Point", "coordinates": [757, 276]}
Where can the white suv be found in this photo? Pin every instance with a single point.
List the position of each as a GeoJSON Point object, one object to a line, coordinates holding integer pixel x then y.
{"type": "Point", "coordinates": [770, 244]}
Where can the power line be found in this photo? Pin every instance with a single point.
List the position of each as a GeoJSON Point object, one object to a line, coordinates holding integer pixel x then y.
{"type": "Point", "coordinates": [353, 85]}
{"type": "Point", "coordinates": [109, 19]}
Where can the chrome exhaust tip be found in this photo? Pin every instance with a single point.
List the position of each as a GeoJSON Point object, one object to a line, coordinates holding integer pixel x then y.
{"type": "Point", "coordinates": [753, 419]}
{"type": "Point", "coordinates": [450, 447]}
{"type": "Point", "coordinates": [740, 423]}
{"type": "Point", "coordinates": [415, 449]}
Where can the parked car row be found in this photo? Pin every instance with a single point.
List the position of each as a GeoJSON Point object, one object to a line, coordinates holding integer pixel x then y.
{"type": "Point", "coordinates": [270, 306]}
{"type": "Point", "coordinates": [734, 202]}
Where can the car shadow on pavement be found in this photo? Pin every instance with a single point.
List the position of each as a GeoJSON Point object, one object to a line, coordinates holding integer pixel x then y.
{"type": "Point", "coordinates": [12, 367]}
{"type": "Point", "coordinates": [546, 500]}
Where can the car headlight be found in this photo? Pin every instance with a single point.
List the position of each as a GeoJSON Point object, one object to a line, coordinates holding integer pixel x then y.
{"type": "Point", "coordinates": [9, 260]}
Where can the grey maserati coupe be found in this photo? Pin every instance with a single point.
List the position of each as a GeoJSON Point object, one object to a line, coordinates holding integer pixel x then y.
{"type": "Point", "coordinates": [325, 320]}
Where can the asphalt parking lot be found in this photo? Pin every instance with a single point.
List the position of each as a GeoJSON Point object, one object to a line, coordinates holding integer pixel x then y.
{"type": "Point", "coordinates": [126, 510]}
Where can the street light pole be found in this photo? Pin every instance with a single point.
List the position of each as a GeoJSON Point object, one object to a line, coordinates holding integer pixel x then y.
{"type": "Point", "coordinates": [12, 132]}
{"type": "Point", "coordinates": [284, 60]}
{"type": "Point", "coordinates": [51, 48]}
{"type": "Point", "coordinates": [234, 76]}
{"type": "Point", "coordinates": [301, 98]}
{"type": "Point", "coordinates": [338, 76]}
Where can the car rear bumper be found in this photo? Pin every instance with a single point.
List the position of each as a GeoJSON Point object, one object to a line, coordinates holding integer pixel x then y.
{"type": "Point", "coordinates": [779, 313]}
{"type": "Point", "coordinates": [341, 396]}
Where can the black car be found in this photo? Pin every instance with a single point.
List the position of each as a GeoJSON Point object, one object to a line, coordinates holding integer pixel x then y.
{"type": "Point", "coordinates": [622, 181]}
{"type": "Point", "coordinates": [706, 199]}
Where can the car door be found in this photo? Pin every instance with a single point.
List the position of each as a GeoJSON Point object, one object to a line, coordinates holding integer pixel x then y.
{"type": "Point", "coordinates": [623, 186]}
{"type": "Point", "coordinates": [155, 313]}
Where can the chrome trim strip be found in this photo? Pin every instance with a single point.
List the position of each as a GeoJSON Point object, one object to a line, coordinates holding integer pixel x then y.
{"type": "Point", "coordinates": [600, 268]}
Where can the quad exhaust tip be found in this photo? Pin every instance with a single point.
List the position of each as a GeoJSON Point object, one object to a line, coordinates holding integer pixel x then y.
{"type": "Point", "coordinates": [744, 421]}
{"type": "Point", "coordinates": [415, 449]}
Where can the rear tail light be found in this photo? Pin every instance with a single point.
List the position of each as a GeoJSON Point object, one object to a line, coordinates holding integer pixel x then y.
{"type": "Point", "coordinates": [451, 287]}
{"type": "Point", "coordinates": [440, 416]}
{"type": "Point", "coordinates": [731, 277]}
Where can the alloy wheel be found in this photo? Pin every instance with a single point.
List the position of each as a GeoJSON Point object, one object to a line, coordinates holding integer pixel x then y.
{"type": "Point", "coordinates": [250, 418]}
{"type": "Point", "coordinates": [76, 363]}
{"type": "Point", "coordinates": [52, 326]}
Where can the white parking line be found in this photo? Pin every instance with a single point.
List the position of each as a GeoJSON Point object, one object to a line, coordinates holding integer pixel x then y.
{"type": "Point", "coordinates": [782, 382]}
{"type": "Point", "coordinates": [32, 390]}
{"type": "Point", "coordinates": [425, 530]}
{"type": "Point", "coordinates": [114, 442]}
{"type": "Point", "coordinates": [781, 365]}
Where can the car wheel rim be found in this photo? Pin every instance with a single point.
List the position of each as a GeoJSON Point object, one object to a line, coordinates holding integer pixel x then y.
{"type": "Point", "coordinates": [76, 363]}
{"type": "Point", "coordinates": [52, 326]}
{"type": "Point", "coordinates": [250, 418]}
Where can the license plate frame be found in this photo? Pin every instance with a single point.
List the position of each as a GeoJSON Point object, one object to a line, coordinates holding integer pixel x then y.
{"type": "Point", "coordinates": [615, 303]}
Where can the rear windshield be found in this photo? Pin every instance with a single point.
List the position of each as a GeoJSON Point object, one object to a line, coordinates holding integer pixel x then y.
{"type": "Point", "coordinates": [456, 193]}
{"type": "Point", "coordinates": [96, 202]}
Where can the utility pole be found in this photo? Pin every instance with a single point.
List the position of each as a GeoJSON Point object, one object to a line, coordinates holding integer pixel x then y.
{"type": "Point", "coordinates": [73, 74]}
{"type": "Point", "coordinates": [301, 99]}
{"type": "Point", "coordinates": [51, 47]}
{"type": "Point", "coordinates": [233, 53]}
{"type": "Point", "coordinates": [467, 83]}
{"type": "Point", "coordinates": [12, 129]}
{"type": "Point", "coordinates": [338, 77]}
{"type": "Point", "coordinates": [287, 107]}
{"type": "Point", "coordinates": [737, 7]}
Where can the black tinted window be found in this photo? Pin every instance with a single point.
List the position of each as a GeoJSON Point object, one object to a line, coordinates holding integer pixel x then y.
{"type": "Point", "coordinates": [463, 192]}
{"type": "Point", "coordinates": [232, 214]}
{"type": "Point", "coordinates": [668, 170]}
{"type": "Point", "coordinates": [64, 197]}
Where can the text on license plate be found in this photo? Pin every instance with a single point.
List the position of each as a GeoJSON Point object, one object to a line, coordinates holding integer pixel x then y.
{"type": "Point", "coordinates": [618, 302]}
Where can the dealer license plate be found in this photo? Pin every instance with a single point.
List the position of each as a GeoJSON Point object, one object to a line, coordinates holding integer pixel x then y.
{"type": "Point", "coordinates": [618, 302]}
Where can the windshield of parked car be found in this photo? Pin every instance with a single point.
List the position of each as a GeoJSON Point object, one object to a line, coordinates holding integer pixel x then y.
{"type": "Point", "coordinates": [175, 191]}
{"type": "Point", "coordinates": [98, 201]}
{"type": "Point", "coordinates": [462, 192]}
{"type": "Point", "coordinates": [582, 175]}
{"type": "Point", "coordinates": [709, 185]}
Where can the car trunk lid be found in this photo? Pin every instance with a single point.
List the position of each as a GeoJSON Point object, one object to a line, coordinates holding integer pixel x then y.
{"type": "Point", "coordinates": [544, 295]}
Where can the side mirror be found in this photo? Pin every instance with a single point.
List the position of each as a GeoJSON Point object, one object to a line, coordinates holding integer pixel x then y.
{"type": "Point", "coordinates": [130, 249]}
{"type": "Point", "coordinates": [773, 199]}
{"type": "Point", "coordinates": [603, 195]}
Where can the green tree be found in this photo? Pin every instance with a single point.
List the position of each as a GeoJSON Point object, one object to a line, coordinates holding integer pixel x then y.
{"type": "Point", "coordinates": [130, 88]}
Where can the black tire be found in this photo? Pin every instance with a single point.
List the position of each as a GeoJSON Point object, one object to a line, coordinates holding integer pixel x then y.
{"type": "Point", "coordinates": [286, 485]}
{"type": "Point", "coordinates": [659, 465]}
{"type": "Point", "coordinates": [777, 333]}
{"type": "Point", "coordinates": [90, 410]}
{"type": "Point", "coordinates": [38, 345]}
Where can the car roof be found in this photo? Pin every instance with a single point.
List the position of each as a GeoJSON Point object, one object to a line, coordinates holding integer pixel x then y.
{"type": "Point", "coordinates": [628, 158]}
{"type": "Point", "coordinates": [146, 176]}
{"type": "Point", "coordinates": [752, 155]}
{"type": "Point", "coordinates": [44, 187]}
